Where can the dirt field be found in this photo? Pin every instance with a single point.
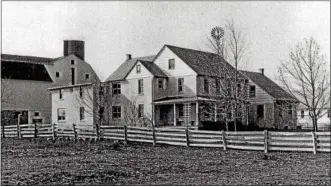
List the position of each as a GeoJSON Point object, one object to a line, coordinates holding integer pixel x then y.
{"type": "Point", "coordinates": [66, 163]}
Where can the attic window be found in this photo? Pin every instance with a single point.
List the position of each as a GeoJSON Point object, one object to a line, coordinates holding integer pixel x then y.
{"type": "Point", "coordinates": [138, 68]}
{"type": "Point", "coordinates": [72, 62]}
{"type": "Point", "coordinates": [57, 74]}
{"type": "Point", "coordinates": [172, 63]}
{"type": "Point", "coordinates": [87, 76]}
{"type": "Point", "coordinates": [36, 113]}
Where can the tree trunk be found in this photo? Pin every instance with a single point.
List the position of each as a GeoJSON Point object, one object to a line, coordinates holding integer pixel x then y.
{"type": "Point", "coordinates": [315, 124]}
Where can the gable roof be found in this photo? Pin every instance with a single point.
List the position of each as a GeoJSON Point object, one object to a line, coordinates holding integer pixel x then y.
{"type": "Point", "coordinates": [203, 63]}
{"type": "Point", "coordinates": [268, 85]}
{"type": "Point", "coordinates": [121, 72]}
{"type": "Point", "coordinates": [25, 59]}
{"type": "Point", "coordinates": [153, 68]}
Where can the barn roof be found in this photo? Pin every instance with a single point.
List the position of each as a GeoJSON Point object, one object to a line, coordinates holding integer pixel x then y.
{"type": "Point", "coordinates": [25, 67]}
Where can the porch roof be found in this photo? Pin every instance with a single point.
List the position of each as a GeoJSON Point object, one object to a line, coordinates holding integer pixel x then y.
{"type": "Point", "coordinates": [181, 100]}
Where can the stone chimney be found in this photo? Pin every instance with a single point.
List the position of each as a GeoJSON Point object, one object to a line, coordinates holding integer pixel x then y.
{"type": "Point", "coordinates": [75, 47]}
{"type": "Point", "coordinates": [128, 56]}
{"type": "Point", "coordinates": [262, 71]}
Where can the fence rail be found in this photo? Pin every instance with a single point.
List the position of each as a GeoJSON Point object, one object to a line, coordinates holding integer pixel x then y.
{"type": "Point", "coordinates": [248, 140]}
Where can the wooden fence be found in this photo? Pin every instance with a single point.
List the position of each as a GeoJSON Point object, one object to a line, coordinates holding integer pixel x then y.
{"type": "Point", "coordinates": [250, 140]}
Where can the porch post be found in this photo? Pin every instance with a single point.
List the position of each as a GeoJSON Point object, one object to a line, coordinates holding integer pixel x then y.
{"type": "Point", "coordinates": [215, 112]}
{"type": "Point", "coordinates": [197, 113]}
{"type": "Point", "coordinates": [175, 122]}
{"type": "Point", "coordinates": [153, 115]}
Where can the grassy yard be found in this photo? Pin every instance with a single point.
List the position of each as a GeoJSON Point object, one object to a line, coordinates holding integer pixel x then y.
{"type": "Point", "coordinates": [24, 162]}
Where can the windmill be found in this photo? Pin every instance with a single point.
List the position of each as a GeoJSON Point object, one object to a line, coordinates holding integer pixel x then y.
{"type": "Point", "coordinates": [217, 34]}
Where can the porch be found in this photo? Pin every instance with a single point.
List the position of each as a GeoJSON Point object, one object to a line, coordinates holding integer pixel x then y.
{"type": "Point", "coordinates": [182, 111]}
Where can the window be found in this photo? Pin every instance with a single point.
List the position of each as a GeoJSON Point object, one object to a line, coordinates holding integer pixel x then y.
{"type": "Point", "coordinates": [160, 84]}
{"type": "Point", "coordinates": [329, 113]}
{"type": "Point", "coordinates": [116, 88]}
{"type": "Point", "coordinates": [140, 110]}
{"type": "Point", "coordinates": [290, 110]}
{"type": "Point", "coordinates": [73, 76]}
{"type": "Point", "coordinates": [252, 91]}
{"type": "Point", "coordinates": [180, 84]}
{"type": "Point", "coordinates": [138, 68]}
{"type": "Point", "coordinates": [280, 112]}
{"type": "Point", "coordinates": [72, 62]}
{"type": "Point", "coordinates": [116, 112]}
{"type": "Point", "coordinates": [36, 113]}
{"type": "Point", "coordinates": [206, 85]}
{"type": "Point", "coordinates": [81, 113]}
{"type": "Point", "coordinates": [60, 94]}
{"type": "Point", "coordinates": [101, 112]}
{"type": "Point", "coordinates": [171, 63]}
{"type": "Point", "coordinates": [302, 113]}
{"type": "Point", "coordinates": [238, 88]}
{"type": "Point", "coordinates": [218, 86]}
{"type": "Point", "coordinates": [87, 76]}
{"type": "Point", "coordinates": [81, 91]}
{"type": "Point", "coordinates": [260, 111]}
{"type": "Point", "coordinates": [140, 86]}
{"type": "Point", "coordinates": [61, 114]}
{"type": "Point", "coordinates": [57, 74]}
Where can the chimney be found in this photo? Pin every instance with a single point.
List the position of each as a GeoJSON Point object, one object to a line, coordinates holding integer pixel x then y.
{"type": "Point", "coordinates": [128, 56]}
{"type": "Point", "coordinates": [262, 71]}
{"type": "Point", "coordinates": [75, 47]}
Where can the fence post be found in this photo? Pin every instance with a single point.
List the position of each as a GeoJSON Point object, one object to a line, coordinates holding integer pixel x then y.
{"type": "Point", "coordinates": [53, 131]}
{"type": "Point", "coordinates": [98, 132]}
{"type": "Point", "coordinates": [265, 141]}
{"type": "Point", "coordinates": [75, 132]}
{"type": "Point", "coordinates": [187, 137]}
{"type": "Point", "coordinates": [18, 131]}
{"type": "Point", "coordinates": [224, 140]}
{"type": "Point", "coordinates": [314, 142]}
{"type": "Point", "coordinates": [125, 135]}
{"type": "Point", "coordinates": [35, 130]}
{"type": "Point", "coordinates": [154, 137]}
{"type": "Point", "coordinates": [3, 131]}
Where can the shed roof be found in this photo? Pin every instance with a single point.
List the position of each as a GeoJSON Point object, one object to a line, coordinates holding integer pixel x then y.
{"type": "Point", "coordinates": [153, 68]}
{"type": "Point", "coordinates": [268, 85]}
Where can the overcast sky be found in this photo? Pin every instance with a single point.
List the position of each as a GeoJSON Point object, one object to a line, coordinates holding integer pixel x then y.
{"type": "Point", "coordinates": [112, 29]}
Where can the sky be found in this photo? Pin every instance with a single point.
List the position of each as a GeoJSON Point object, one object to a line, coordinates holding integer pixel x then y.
{"type": "Point", "coordinates": [113, 29]}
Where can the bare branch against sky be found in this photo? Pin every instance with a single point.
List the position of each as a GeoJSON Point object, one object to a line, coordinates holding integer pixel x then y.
{"type": "Point", "coordinates": [113, 29]}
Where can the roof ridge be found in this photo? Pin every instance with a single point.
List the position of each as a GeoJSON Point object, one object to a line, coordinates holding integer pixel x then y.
{"type": "Point", "coordinates": [191, 49]}
{"type": "Point", "coordinates": [27, 56]}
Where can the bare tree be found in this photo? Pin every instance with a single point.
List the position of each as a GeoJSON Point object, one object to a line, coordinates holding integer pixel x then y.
{"type": "Point", "coordinates": [232, 48]}
{"type": "Point", "coordinates": [92, 98]}
{"type": "Point", "coordinates": [304, 76]}
{"type": "Point", "coordinates": [132, 116]}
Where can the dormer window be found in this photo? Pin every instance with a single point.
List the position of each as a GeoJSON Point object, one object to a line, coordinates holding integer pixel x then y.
{"type": "Point", "coordinates": [87, 76]}
{"type": "Point", "coordinates": [172, 63]}
{"type": "Point", "coordinates": [138, 68]}
{"type": "Point", "coordinates": [72, 62]}
{"type": "Point", "coordinates": [57, 74]}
